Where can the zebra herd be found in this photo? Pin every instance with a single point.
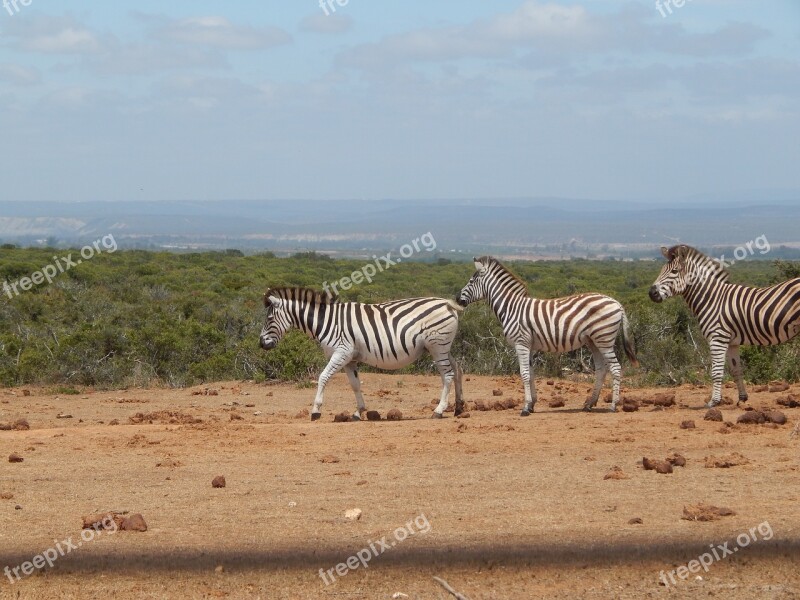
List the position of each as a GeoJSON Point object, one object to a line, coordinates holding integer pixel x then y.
{"type": "Point", "coordinates": [392, 335]}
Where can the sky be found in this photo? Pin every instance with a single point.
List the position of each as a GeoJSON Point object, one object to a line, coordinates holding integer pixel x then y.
{"type": "Point", "coordinates": [207, 100]}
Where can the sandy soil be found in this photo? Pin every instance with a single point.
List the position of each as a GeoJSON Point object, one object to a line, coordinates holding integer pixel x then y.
{"type": "Point", "coordinates": [513, 507]}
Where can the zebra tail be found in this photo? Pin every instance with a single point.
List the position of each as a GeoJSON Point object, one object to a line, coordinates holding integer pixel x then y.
{"type": "Point", "coordinates": [454, 306]}
{"type": "Point", "coordinates": [627, 340]}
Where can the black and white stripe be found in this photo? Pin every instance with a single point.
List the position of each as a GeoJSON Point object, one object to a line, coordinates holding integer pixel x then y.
{"type": "Point", "coordinates": [555, 325]}
{"type": "Point", "coordinates": [730, 315]}
{"type": "Point", "coordinates": [390, 335]}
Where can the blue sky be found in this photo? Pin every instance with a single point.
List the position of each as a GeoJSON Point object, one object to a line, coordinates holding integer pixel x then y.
{"type": "Point", "coordinates": [275, 100]}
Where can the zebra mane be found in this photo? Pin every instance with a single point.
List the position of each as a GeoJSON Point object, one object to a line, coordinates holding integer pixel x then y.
{"type": "Point", "coordinates": [300, 293]}
{"type": "Point", "coordinates": [490, 260]}
{"type": "Point", "coordinates": [705, 263]}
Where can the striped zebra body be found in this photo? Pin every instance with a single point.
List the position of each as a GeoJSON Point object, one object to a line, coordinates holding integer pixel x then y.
{"type": "Point", "coordinates": [555, 325]}
{"type": "Point", "coordinates": [390, 335]}
{"type": "Point", "coordinates": [729, 315]}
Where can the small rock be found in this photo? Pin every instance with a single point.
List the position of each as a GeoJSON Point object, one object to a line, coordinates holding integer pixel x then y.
{"type": "Point", "coordinates": [752, 417]}
{"type": "Point", "coordinates": [15, 458]}
{"type": "Point", "coordinates": [648, 464]}
{"type": "Point", "coordinates": [713, 414]}
{"type": "Point", "coordinates": [676, 460]}
{"type": "Point", "coordinates": [664, 400]}
{"type": "Point", "coordinates": [6, 496]}
{"type": "Point", "coordinates": [218, 481]}
{"type": "Point", "coordinates": [302, 414]}
{"type": "Point", "coordinates": [556, 403]}
{"type": "Point", "coordinates": [778, 386]}
{"type": "Point", "coordinates": [394, 415]}
{"type": "Point", "coordinates": [464, 415]}
{"type": "Point", "coordinates": [629, 405]}
{"type": "Point", "coordinates": [236, 417]}
{"type": "Point", "coordinates": [497, 392]}
{"type": "Point", "coordinates": [352, 514]}
{"type": "Point", "coordinates": [775, 416]}
{"type": "Point", "coordinates": [26, 392]}
{"type": "Point", "coordinates": [329, 459]}
{"type": "Point", "coordinates": [725, 462]}
{"type": "Point", "coordinates": [21, 425]}
{"type": "Point", "coordinates": [109, 521]}
{"type": "Point", "coordinates": [135, 522]}
{"type": "Point", "coordinates": [63, 416]}
{"type": "Point", "coordinates": [705, 512]}
{"type": "Point", "coordinates": [219, 569]}
{"type": "Point", "coordinates": [636, 521]}
{"type": "Point", "coordinates": [114, 422]}
{"type": "Point", "coordinates": [342, 417]}
{"type": "Point", "coordinates": [373, 415]}
{"type": "Point", "coordinates": [687, 424]}
{"type": "Point", "coordinates": [663, 467]}
{"type": "Point", "coordinates": [615, 473]}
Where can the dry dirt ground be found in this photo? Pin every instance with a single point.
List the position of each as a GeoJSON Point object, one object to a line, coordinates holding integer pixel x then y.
{"type": "Point", "coordinates": [513, 507]}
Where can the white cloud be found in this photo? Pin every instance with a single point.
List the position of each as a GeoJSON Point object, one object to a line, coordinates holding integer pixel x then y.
{"type": "Point", "coordinates": [320, 23]}
{"type": "Point", "coordinates": [219, 32]}
{"type": "Point", "coordinates": [50, 35]}
{"type": "Point", "coordinates": [19, 75]}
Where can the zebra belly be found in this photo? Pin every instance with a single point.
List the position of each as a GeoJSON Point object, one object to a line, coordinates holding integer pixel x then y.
{"type": "Point", "coordinates": [387, 360]}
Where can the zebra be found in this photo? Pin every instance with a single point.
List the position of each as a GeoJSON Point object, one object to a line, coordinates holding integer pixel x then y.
{"type": "Point", "coordinates": [553, 325]}
{"type": "Point", "coordinates": [390, 335]}
{"type": "Point", "coordinates": [730, 315]}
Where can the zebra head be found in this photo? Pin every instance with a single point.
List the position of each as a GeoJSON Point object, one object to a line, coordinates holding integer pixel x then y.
{"type": "Point", "coordinates": [685, 268]}
{"type": "Point", "coordinates": [476, 288]}
{"type": "Point", "coordinates": [276, 323]}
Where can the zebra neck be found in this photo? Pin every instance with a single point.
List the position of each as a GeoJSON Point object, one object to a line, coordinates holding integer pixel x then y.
{"type": "Point", "coordinates": [698, 295]}
{"type": "Point", "coordinates": [501, 302]}
{"type": "Point", "coordinates": [296, 311]}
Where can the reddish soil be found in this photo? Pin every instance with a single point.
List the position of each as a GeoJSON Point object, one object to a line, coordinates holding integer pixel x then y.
{"type": "Point", "coordinates": [516, 507]}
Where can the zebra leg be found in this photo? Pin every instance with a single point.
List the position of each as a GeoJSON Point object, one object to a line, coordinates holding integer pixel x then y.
{"type": "Point", "coordinates": [616, 376]}
{"type": "Point", "coordinates": [718, 350]}
{"type": "Point", "coordinates": [339, 358]}
{"type": "Point", "coordinates": [600, 371]}
{"type": "Point", "coordinates": [448, 369]}
{"type": "Point", "coordinates": [735, 365]}
{"type": "Point", "coordinates": [352, 375]}
{"type": "Point", "coordinates": [459, 375]}
{"type": "Point", "coordinates": [525, 371]}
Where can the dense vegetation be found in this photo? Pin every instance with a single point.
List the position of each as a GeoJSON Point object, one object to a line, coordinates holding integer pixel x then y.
{"type": "Point", "coordinates": [136, 318]}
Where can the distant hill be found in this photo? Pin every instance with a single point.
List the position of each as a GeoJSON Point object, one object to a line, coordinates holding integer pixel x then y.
{"type": "Point", "coordinates": [534, 227]}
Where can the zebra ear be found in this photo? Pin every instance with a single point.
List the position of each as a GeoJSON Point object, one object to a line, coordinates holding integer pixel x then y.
{"type": "Point", "coordinates": [479, 266]}
{"type": "Point", "coordinates": [271, 301]}
{"type": "Point", "coordinates": [665, 252]}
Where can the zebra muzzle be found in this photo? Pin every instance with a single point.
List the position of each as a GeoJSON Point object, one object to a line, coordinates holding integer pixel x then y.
{"type": "Point", "coordinates": [268, 344]}
{"type": "Point", "coordinates": [654, 294]}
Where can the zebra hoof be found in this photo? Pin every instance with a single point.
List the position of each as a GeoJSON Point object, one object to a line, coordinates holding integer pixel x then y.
{"type": "Point", "coordinates": [587, 408]}
{"type": "Point", "coordinates": [436, 415]}
{"type": "Point", "coordinates": [613, 408]}
{"type": "Point", "coordinates": [525, 413]}
{"type": "Point", "coordinates": [742, 398]}
{"type": "Point", "coordinates": [355, 417]}
{"type": "Point", "coordinates": [712, 404]}
{"type": "Point", "coordinates": [315, 416]}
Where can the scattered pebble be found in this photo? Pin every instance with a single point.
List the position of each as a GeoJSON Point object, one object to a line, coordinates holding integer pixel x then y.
{"type": "Point", "coordinates": [218, 481]}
